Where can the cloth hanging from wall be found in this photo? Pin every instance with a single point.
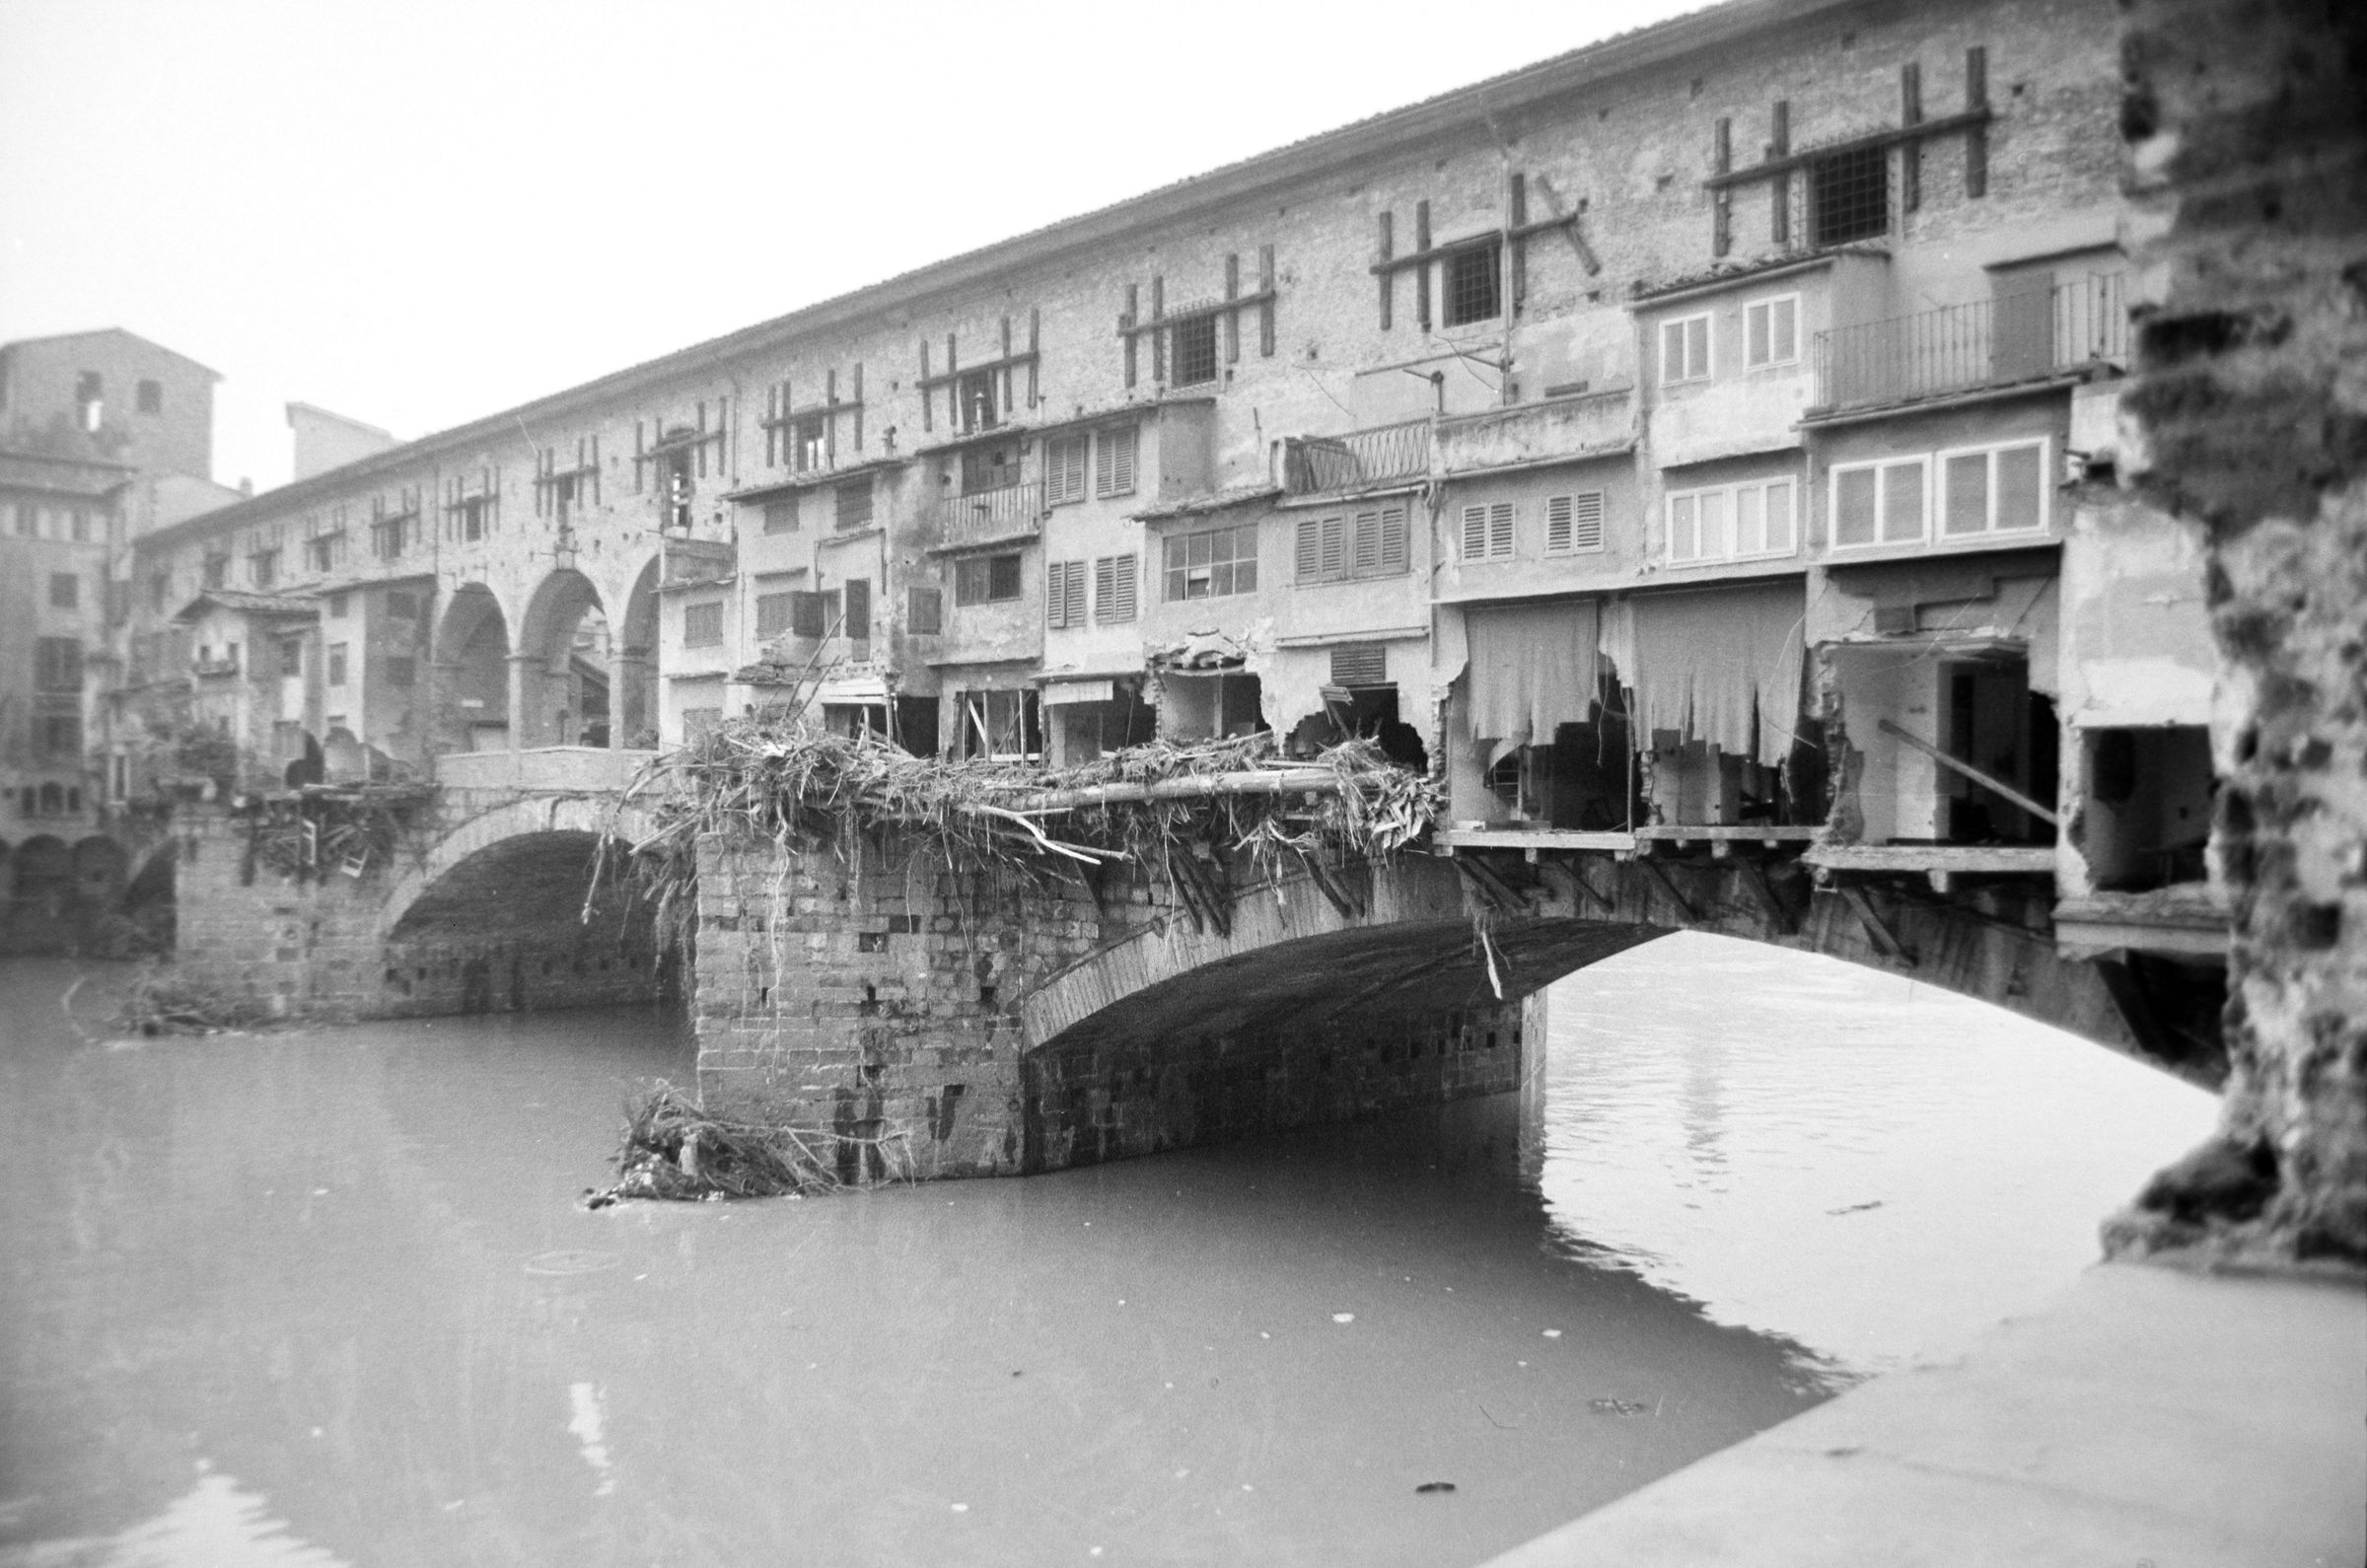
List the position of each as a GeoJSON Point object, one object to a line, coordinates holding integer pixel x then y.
{"type": "Point", "coordinates": [1721, 665]}
{"type": "Point", "coordinates": [1532, 667]}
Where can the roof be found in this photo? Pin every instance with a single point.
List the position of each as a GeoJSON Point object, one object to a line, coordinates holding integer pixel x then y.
{"type": "Point", "coordinates": [111, 332]}
{"type": "Point", "coordinates": [39, 470]}
{"type": "Point", "coordinates": [1473, 109]}
{"type": "Point", "coordinates": [291, 605]}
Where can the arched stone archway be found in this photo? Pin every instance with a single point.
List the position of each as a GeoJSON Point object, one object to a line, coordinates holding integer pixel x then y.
{"type": "Point", "coordinates": [471, 661]}
{"type": "Point", "coordinates": [563, 661]}
{"type": "Point", "coordinates": [633, 694]}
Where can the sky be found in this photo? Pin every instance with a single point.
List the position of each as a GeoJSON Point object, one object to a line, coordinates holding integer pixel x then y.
{"type": "Point", "coordinates": [416, 214]}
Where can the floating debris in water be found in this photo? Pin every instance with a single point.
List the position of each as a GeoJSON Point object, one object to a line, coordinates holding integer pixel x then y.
{"type": "Point", "coordinates": [1344, 1318]}
{"type": "Point", "coordinates": [571, 1261]}
{"type": "Point", "coordinates": [673, 1149]}
{"type": "Point", "coordinates": [1618, 1406]}
{"type": "Point", "coordinates": [1436, 1486]}
{"type": "Point", "coordinates": [1857, 1208]}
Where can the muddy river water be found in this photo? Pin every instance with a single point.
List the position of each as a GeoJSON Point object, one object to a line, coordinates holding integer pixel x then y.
{"type": "Point", "coordinates": [329, 1296]}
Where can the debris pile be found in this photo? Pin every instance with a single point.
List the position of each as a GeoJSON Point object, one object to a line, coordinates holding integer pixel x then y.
{"type": "Point", "coordinates": [674, 1150]}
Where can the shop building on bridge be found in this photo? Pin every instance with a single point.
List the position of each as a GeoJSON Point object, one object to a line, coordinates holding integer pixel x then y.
{"type": "Point", "coordinates": [1706, 438]}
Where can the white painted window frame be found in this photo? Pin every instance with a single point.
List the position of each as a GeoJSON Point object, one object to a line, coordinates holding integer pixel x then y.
{"type": "Point", "coordinates": [1709, 347]}
{"type": "Point", "coordinates": [1731, 492]}
{"type": "Point", "coordinates": [1882, 493]}
{"type": "Point", "coordinates": [1937, 514]}
{"type": "Point", "coordinates": [1768, 305]}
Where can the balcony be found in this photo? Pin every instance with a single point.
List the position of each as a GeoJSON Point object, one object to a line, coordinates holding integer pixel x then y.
{"type": "Point", "coordinates": [1964, 348]}
{"type": "Point", "coordinates": [1008, 512]}
{"type": "Point", "coordinates": [1502, 438]}
{"type": "Point", "coordinates": [1361, 459]}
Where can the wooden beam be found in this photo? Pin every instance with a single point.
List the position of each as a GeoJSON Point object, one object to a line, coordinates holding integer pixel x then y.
{"type": "Point", "coordinates": [1661, 876]}
{"type": "Point", "coordinates": [1965, 119]}
{"type": "Point", "coordinates": [1764, 891]}
{"type": "Point", "coordinates": [1993, 785]}
{"type": "Point", "coordinates": [1886, 941]}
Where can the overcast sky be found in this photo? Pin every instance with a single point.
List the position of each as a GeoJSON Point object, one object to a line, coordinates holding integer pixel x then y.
{"type": "Point", "coordinates": [418, 213]}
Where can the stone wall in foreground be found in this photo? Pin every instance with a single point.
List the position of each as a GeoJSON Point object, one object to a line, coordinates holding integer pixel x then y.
{"type": "Point", "coordinates": [2248, 158]}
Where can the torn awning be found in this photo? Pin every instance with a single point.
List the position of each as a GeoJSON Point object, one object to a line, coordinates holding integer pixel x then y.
{"type": "Point", "coordinates": [1532, 667]}
{"type": "Point", "coordinates": [1721, 665]}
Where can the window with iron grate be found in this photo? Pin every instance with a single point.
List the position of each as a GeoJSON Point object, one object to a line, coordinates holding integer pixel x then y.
{"type": "Point", "coordinates": [1473, 284]}
{"type": "Point", "coordinates": [1849, 195]}
{"type": "Point", "coordinates": [1195, 350]}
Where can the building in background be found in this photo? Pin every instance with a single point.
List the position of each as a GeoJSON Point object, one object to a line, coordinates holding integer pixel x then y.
{"type": "Point", "coordinates": [325, 441]}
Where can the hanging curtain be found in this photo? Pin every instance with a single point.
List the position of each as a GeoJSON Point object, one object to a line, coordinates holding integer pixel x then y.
{"type": "Point", "coordinates": [1721, 665]}
{"type": "Point", "coordinates": [1532, 667]}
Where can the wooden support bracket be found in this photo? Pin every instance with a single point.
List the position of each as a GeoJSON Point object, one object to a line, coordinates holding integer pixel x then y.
{"type": "Point", "coordinates": [1491, 887]}
{"type": "Point", "coordinates": [1763, 890]}
{"type": "Point", "coordinates": [1659, 874]}
{"type": "Point", "coordinates": [1878, 931]}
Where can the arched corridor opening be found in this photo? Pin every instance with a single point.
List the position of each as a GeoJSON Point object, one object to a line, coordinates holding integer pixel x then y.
{"type": "Point", "coordinates": [565, 661]}
{"type": "Point", "coordinates": [633, 704]}
{"type": "Point", "coordinates": [473, 667]}
{"type": "Point", "coordinates": [505, 928]}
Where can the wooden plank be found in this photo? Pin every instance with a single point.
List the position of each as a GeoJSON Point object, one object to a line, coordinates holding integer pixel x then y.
{"type": "Point", "coordinates": [1993, 785]}
{"type": "Point", "coordinates": [1886, 941]}
{"type": "Point", "coordinates": [1659, 874]}
{"type": "Point", "coordinates": [1967, 120]}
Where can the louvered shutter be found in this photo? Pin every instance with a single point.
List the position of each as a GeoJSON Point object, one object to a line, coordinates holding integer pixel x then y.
{"type": "Point", "coordinates": [1114, 467]}
{"type": "Point", "coordinates": [1558, 526]}
{"type": "Point", "coordinates": [807, 615]}
{"type": "Point", "coordinates": [1586, 521]}
{"type": "Point", "coordinates": [1368, 542]}
{"type": "Point", "coordinates": [1114, 586]}
{"type": "Point", "coordinates": [1474, 532]}
{"type": "Point", "coordinates": [1074, 595]}
{"type": "Point", "coordinates": [1393, 539]}
{"type": "Point", "coordinates": [1335, 529]}
{"type": "Point", "coordinates": [1308, 565]}
{"type": "Point", "coordinates": [1499, 528]}
{"type": "Point", "coordinates": [1360, 664]}
{"type": "Point", "coordinates": [858, 608]}
{"type": "Point", "coordinates": [924, 610]}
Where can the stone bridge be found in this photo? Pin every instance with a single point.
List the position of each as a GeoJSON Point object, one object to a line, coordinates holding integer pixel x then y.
{"type": "Point", "coordinates": [940, 1025]}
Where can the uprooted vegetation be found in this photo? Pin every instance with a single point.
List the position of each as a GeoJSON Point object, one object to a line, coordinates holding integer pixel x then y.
{"type": "Point", "coordinates": [1176, 812]}
{"type": "Point", "coordinates": [674, 1150]}
{"type": "Point", "coordinates": [164, 1000]}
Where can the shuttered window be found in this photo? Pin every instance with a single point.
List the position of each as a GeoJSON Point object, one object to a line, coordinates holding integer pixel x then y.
{"type": "Point", "coordinates": [1365, 544]}
{"type": "Point", "coordinates": [702, 626]}
{"type": "Point", "coordinates": [1574, 524]}
{"type": "Point", "coordinates": [810, 613]}
{"type": "Point", "coordinates": [1064, 594]}
{"type": "Point", "coordinates": [773, 613]}
{"type": "Point", "coordinates": [924, 610]}
{"type": "Point", "coordinates": [1064, 469]}
{"type": "Point", "coordinates": [854, 503]}
{"type": "Point", "coordinates": [1360, 664]}
{"type": "Point", "coordinates": [858, 609]}
{"type": "Point", "coordinates": [1487, 532]}
{"type": "Point", "coordinates": [1114, 588]}
{"type": "Point", "coordinates": [1114, 460]}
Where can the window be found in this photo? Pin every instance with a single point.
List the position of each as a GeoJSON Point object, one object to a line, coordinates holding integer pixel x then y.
{"type": "Point", "coordinates": [1001, 725]}
{"type": "Point", "coordinates": [780, 514]}
{"type": "Point", "coordinates": [263, 568]}
{"type": "Point", "coordinates": [58, 664]}
{"type": "Point", "coordinates": [338, 670]}
{"type": "Point", "coordinates": [976, 395]}
{"type": "Point", "coordinates": [773, 613]}
{"type": "Point", "coordinates": [1849, 195]}
{"type": "Point", "coordinates": [812, 615]}
{"type": "Point", "coordinates": [1998, 489]}
{"type": "Point", "coordinates": [1880, 503]}
{"type": "Point", "coordinates": [28, 520]}
{"type": "Point", "coordinates": [325, 552]}
{"type": "Point", "coordinates": [217, 571]}
{"type": "Point", "coordinates": [853, 500]}
{"type": "Point", "coordinates": [1194, 339]}
{"type": "Point", "coordinates": [809, 447]}
{"type": "Point", "coordinates": [1114, 588]}
{"type": "Point", "coordinates": [1212, 563]}
{"type": "Point", "coordinates": [388, 536]}
{"type": "Point", "coordinates": [1772, 331]}
{"type": "Point", "coordinates": [79, 527]}
{"type": "Point", "coordinates": [1684, 349]}
{"type": "Point", "coordinates": [1336, 548]}
{"type": "Point", "coordinates": [61, 735]}
{"type": "Point", "coordinates": [924, 610]}
{"type": "Point", "coordinates": [858, 609]}
{"type": "Point", "coordinates": [152, 397]}
{"type": "Point", "coordinates": [90, 400]}
{"type": "Point", "coordinates": [702, 626]}
{"type": "Point", "coordinates": [1574, 524]}
{"type": "Point", "coordinates": [66, 591]}
{"type": "Point", "coordinates": [990, 467]}
{"type": "Point", "coordinates": [986, 579]}
{"type": "Point", "coordinates": [1733, 522]}
{"type": "Point", "coordinates": [474, 514]}
{"type": "Point", "coordinates": [1064, 594]}
{"type": "Point", "coordinates": [291, 656]}
{"type": "Point", "coordinates": [1360, 664]}
{"type": "Point", "coordinates": [1487, 532]}
{"type": "Point", "coordinates": [1474, 279]}
{"type": "Point", "coordinates": [1064, 469]}
{"type": "Point", "coordinates": [340, 606]}
{"type": "Point", "coordinates": [1113, 461]}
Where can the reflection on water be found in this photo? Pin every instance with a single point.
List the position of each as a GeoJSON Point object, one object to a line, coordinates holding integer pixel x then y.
{"type": "Point", "coordinates": [348, 1267]}
{"type": "Point", "coordinates": [1874, 1167]}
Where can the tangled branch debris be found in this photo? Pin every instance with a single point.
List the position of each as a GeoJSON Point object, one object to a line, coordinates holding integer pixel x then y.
{"type": "Point", "coordinates": [674, 1150]}
{"type": "Point", "coordinates": [310, 832]}
{"type": "Point", "coordinates": [161, 1001]}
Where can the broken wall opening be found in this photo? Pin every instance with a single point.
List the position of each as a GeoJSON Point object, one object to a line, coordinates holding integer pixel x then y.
{"type": "Point", "coordinates": [2146, 815]}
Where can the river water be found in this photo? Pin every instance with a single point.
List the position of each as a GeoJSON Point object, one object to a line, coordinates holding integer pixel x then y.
{"type": "Point", "coordinates": [329, 1297]}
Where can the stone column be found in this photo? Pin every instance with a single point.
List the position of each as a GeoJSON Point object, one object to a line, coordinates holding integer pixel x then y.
{"type": "Point", "coordinates": [626, 668]}
{"type": "Point", "coordinates": [526, 688]}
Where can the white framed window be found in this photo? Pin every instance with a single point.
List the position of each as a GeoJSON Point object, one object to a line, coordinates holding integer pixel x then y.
{"type": "Point", "coordinates": [1684, 349]}
{"type": "Point", "coordinates": [1487, 532]}
{"type": "Point", "coordinates": [1574, 524]}
{"type": "Point", "coordinates": [1884, 502]}
{"type": "Point", "coordinates": [1772, 331]}
{"type": "Point", "coordinates": [1994, 490]}
{"type": "Point", "coordinates": [1734, 521]}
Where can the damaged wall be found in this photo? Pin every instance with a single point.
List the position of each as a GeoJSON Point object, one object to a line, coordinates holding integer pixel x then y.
{"type": "Point", "coordinates": [2249, 152]}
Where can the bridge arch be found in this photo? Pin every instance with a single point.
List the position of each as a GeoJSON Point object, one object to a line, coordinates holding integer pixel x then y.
{"type": "Point", "coordinates": [492, 916]}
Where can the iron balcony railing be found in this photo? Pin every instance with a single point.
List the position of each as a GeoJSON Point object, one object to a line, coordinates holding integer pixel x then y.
{"type": "Point", "coordinates": [1995, 342]}
{"type": "Point", "coordinates": [1357, 461]}
{"type": "Point", "coordinates": [1003, 512]}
